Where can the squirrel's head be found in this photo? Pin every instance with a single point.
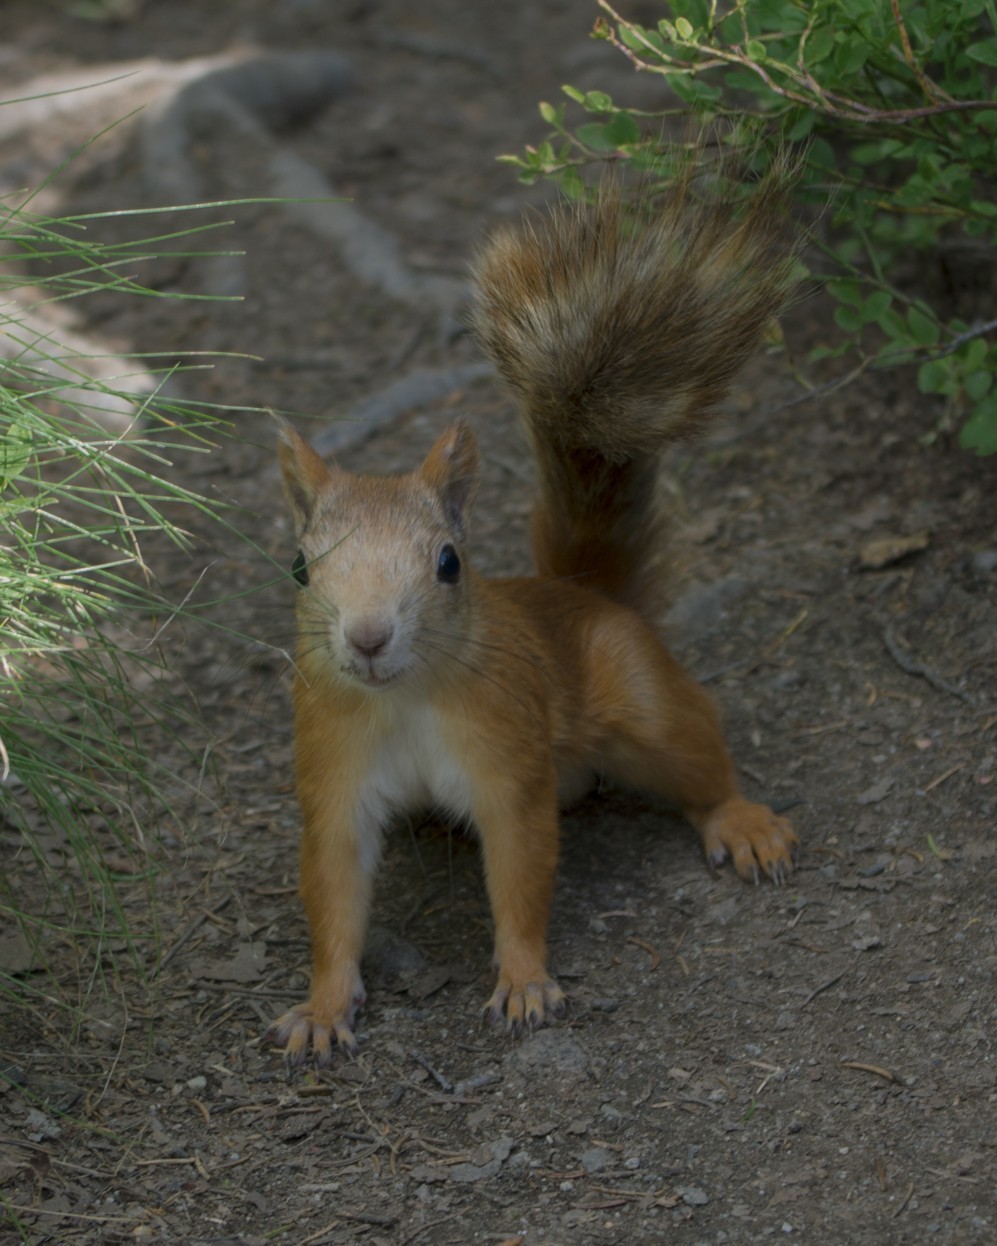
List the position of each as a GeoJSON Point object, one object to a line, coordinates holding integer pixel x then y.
{"type": "Point", "coordinates": [382, 587]}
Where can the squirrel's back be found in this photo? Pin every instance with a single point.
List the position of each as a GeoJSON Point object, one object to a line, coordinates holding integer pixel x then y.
{"type": "Point", "coordinates": [619, 328]}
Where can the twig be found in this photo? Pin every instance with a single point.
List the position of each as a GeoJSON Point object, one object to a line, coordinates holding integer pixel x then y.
{"type": "Point", "coordinates": [168, 1161]}
{"type": "Point", "coordinates": [786, 632]}
{"type": "Point", "coordinates": [870, 1068]}
{"type": "Point", "coordinates": [906, 1200]}
{"type": "Point", "coordinates": [819, 990]}
{"type": "Point", "coordinates": [924, 82]}
{"type": "Point", "coordinates": [907, 662]}
{"type": "Point", "coordinates": [477, 1082]}
{"type": "Point", "coordinates": [187, 934]}
{"type": "Point", "coordinates": [653, 952]}
{"type": "Point", "coordinates": [319, 1234]}
{"type": "Point", "coordinates": [431, 1225]}
{"type": "Point", "coordinates": [947, 775]}
{"type": "Point", "coordinates": [85, 1217]}
{"type": "Point", "coordinates": [979, 329]}
{"type": "Point", "coordinates": [444, 1082]}
{"type": "Point", "coordinates": [901, 358]}
{"type": "Point", "coordinates": [362, 1217]}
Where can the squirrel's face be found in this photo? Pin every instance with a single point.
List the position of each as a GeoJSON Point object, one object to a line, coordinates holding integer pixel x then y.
{"type": "Point", "coordinates": [382, 590]}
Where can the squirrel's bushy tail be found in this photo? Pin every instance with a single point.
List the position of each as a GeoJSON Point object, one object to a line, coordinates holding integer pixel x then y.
{"type": "Point", "coordinates": [619, 330]}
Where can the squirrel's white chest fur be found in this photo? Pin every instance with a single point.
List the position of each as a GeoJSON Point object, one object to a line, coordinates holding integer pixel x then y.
{"type": "Point", "coordinates": [411, 768]}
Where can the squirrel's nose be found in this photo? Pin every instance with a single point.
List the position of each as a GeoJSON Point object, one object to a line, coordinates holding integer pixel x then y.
{"type": "Point", "coordinates": [369, 637]}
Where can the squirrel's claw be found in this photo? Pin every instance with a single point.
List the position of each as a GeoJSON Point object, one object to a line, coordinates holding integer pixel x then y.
{"type": "Point", "coordinates": [524, 1007]}
{"type": "Point", "coordinates": [302, 1031]}
{"type": "Point", "coordinates": [757, 840]}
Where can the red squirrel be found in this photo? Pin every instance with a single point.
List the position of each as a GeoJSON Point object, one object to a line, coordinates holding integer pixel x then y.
{"type": "Point", "coordinates": [421, 685]}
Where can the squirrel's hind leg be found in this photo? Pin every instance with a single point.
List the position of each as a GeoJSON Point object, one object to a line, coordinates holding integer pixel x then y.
{"type": "Point", "coordinates": [664, 735]}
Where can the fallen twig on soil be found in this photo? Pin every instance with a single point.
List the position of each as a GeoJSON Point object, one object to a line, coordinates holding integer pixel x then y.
{"type": "Point", "coordinates": [819, 990]}
{"type": "Point", "coordinates": [907, 662]}
{"type": "Point", "coordinates": [877, 1069]}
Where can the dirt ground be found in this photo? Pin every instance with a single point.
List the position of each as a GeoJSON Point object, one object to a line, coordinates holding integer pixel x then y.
{"type": "Point", "coordinates": [739, 1064]}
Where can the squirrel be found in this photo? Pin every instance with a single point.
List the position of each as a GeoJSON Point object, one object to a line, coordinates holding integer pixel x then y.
{"type": "Point", "coordinates": [421, 685]}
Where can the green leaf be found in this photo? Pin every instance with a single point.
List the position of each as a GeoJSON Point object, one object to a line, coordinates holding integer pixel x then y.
{"type": "Point", "coordinates": [924, 328]}
{"type": "Point", "coordinates": [693, 90]}
{"type": "Point", "coordinates": [850, 55]}
{"type": "Point", "coordinates": [894, 325]}
{"type": "Point", "coordinates": [819, 45]}
{"type": "Point", "coordinates": [822, 157]}
{"type": "Point", "coordinates": [623, 130]}
{"type": "Point", "coordinates": [697, 11]}
{"type": "Point", "coordinates": [683, 28]}
{"type": "Point", "coordinates": [933, 376]}
{"type": "Point", "coordinates": [894, 354]}
{"type": "Point", "coordinates": [979, 433]}
{"type": "Point", "coordinates": [828, 352]}
{"type": "Point", "coordinates": [744, 80]}
{"type": "Point", "coordinates": [598, 101]}
{"type": "Point", "coordinates": [801, 127]}
{"type": "Point", "coordinates": [978, 384]}
{"type": "Point", "coordinates": [756, 50]}
{"type": "Point", "coordinates": [874, 153]}
{"type": "Point", "coordinates": [553, 116]}
{"type": "Point", "coordinates": [845, 291]}
{"type": "Point", "coordinates": [848, 318]}
{"type": "Point", "coordinates": [596, 136]}
{"type": "Point", "coordinates": [609, 135]}
{"type": "Point", "coordinates": [985, 52]}
{"type": "Point", "coordinates": [876, 306]}
{"type": "Point", "coordinates": [572, 184]}
{"type": "Point", "coordinates": [975, 353]}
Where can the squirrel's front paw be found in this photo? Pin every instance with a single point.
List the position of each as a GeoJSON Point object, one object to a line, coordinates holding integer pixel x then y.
{"type": "Point", "coordinates": [753, 836]}
{"type": "Point", "coordinates": [312, 1026]}
{"type": "Point", "coordinates": [524, 1005]}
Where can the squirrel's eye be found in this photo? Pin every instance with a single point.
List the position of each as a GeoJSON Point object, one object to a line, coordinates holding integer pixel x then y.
{"type": "Point", "coordinates": [448, 568]}
{"type": "Point", "coordinates": [299, 568]}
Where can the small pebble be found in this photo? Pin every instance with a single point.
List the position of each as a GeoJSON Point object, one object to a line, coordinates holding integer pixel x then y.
{"type": "Point", "coordinates": [595, 1159]}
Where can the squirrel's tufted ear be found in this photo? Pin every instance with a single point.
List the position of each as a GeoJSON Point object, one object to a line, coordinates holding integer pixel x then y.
{"type": "Point", "coordinates": [305, 474]}
{"type": "Point", "coordinates": [451, 470]}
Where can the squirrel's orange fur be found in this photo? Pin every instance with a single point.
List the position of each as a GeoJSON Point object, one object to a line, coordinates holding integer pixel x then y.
{"type": "Point", "coordinates": [420, 684]}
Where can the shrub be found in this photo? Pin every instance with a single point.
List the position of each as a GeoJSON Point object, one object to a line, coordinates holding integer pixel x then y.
{"type": "Point", "coordinates": [893, 107]}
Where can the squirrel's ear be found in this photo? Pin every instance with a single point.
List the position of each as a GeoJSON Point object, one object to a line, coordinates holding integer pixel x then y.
{"type": "Point", "coordinates": [451, 469]}
{"type": "Point", "coordinates": [305, 474]}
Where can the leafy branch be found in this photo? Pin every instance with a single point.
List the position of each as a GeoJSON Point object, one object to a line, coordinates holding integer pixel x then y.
{"type": "Point", "coordinates": [895, 109]}
{"type": "Point", "coordinates": [754, 58]}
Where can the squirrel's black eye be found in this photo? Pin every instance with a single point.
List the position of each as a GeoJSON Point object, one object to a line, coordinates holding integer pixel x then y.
{"type": "Point", "coordinates": [299, 568]}
{"type": "Point", "coordinates": [448, 568]}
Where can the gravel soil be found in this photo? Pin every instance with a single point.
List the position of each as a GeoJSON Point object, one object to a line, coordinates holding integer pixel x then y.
{"type": "Point", "coordinates": [739, 1064]}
